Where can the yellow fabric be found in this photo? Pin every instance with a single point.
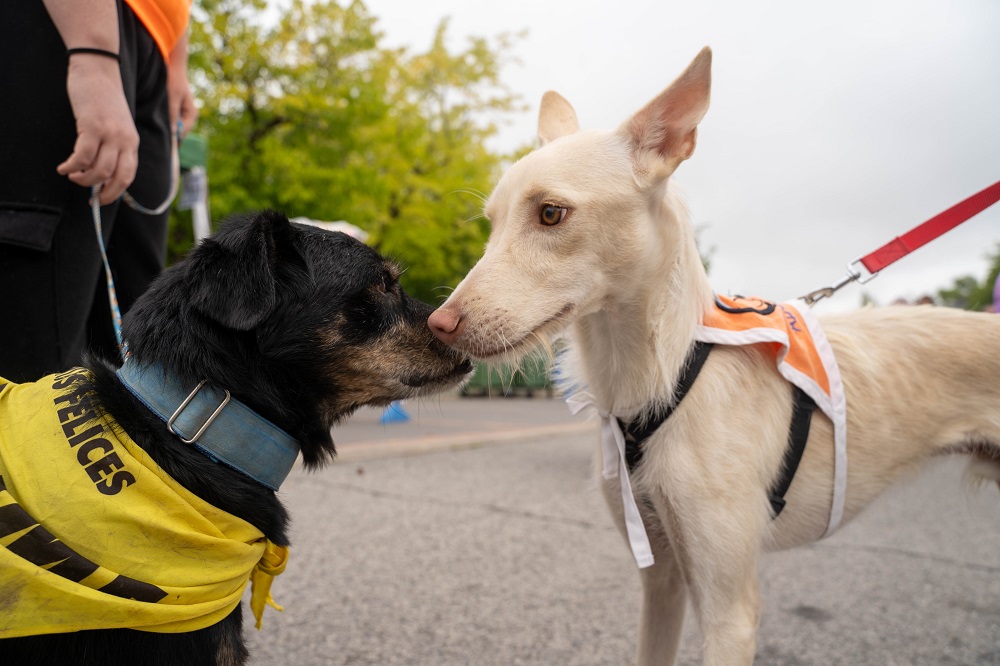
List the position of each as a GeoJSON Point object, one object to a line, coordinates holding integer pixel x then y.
{"type": "Point", "coordinates": [95, 535]}
{"type": "Point", "coordinates": [271, 564]}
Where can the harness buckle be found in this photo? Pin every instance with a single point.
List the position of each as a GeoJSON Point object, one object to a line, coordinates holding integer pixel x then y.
{"type": "Point", "coordinates": [208, 422]}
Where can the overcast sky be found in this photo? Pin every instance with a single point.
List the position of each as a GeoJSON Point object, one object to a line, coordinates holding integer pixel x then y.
{"type": "Point", "coordinates": [833, 127]}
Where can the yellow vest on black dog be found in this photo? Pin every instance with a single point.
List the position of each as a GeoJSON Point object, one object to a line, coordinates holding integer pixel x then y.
{"type": "Point", "coordinates": [95, 535]}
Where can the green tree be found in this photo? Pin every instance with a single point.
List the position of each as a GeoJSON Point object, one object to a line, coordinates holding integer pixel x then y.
{"type": "Point", "coordinates": [307, 113]}
{"type": "Point", "coordinates": [970, 293]}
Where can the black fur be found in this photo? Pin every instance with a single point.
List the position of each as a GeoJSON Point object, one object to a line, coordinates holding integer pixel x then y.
{"type": "Point", "coordinates": [301, 325]}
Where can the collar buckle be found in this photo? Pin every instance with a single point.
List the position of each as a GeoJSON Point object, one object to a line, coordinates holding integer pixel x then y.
{"type": "Point", "coordinates": [208, 422]}
{"type": "Point", "coordinates": [242, 439]}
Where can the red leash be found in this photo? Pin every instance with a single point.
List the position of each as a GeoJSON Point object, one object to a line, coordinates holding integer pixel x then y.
{"type": "Point", "coordinates": [917, 237]}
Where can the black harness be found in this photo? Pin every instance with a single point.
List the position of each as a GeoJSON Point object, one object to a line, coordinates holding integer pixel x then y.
{"type": "Point", "coordinates": [640, 429]}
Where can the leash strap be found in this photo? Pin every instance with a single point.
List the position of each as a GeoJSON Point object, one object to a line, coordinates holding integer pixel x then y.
{"type": "Point", "coordinates": [116, 313]}
{"type": "Point", "coordinates": [916, 238]}
{"type": "Point", "coordinates": [919, 236]}
{"type": "Point", "coordinates": [95, 210]}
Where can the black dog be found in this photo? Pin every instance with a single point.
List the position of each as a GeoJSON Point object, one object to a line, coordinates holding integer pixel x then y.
{"type": "Point", "coordinates": [301, 325]}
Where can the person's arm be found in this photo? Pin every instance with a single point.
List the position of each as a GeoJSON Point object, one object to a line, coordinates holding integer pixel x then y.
{"type": "Point", "coordinates": [179, 88]}
{"type": "Point", "coordinates": [107, 143]}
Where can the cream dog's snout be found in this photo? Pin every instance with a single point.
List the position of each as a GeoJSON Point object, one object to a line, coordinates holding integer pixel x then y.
{"type": "Point", "coordinates": [447, 324]}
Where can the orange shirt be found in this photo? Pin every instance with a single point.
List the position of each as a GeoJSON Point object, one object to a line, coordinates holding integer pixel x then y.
{"type": "Point", "coordinates": [166, 20]}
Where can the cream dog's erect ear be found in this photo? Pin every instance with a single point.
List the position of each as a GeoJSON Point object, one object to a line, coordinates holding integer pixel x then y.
{"type": "Point", "coordinates": [668, 126]}
{"type": "Point", "coordinates": [556, 118]}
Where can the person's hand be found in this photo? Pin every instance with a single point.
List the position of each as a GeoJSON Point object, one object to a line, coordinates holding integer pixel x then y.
{"type": "Point", "coordinates": [107, 143]}
{"type": "Point", "coordinates": [181, 100]}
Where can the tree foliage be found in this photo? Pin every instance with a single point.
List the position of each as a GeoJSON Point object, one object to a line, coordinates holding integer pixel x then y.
{"type": "Point", "coordinates": [969, 293]}
{"type": "Point", "coordinates": [306, 112]}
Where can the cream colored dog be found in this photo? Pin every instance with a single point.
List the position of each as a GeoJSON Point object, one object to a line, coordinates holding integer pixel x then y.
{"type": "Point", "coordinates": [589, 235]}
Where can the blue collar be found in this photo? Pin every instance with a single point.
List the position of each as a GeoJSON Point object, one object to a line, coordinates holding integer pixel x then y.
{"type": "Point", "coordinates": [222, 428]}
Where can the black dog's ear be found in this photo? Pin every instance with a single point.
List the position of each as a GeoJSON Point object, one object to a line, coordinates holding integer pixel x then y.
{"type": "Point", "coordinates": [234, 272]}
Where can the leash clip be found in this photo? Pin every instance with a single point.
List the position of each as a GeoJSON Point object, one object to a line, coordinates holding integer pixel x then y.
{"type": "Point", "coordinates": [208, 422]}
{"type": "Point", "coordinates": [854, 274]}
{"type": "Point", "coordinates": [862, 279]}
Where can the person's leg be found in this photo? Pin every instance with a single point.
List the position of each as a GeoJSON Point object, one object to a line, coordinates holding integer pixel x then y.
{"type": "Point", "coordinates": [48, 248]}
{"type": "Point", "coordinates": [137, 246]}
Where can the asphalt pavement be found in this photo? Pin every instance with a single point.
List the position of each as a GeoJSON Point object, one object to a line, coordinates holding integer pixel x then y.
{"type": "Point", "coordinates": [475, 534]}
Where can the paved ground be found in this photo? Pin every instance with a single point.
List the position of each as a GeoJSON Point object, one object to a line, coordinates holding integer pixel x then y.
{"type": "Point", "coordinates": [505, 554]}
{"type": "Point", "coordinates": [450, 422]}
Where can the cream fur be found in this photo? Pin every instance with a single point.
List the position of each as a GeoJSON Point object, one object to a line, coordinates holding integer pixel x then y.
{"type": "Point", "coordinates": [621, 273]}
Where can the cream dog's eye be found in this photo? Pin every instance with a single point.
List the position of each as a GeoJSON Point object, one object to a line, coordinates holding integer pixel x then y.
{"type": "Point", "coordinates": [551, 215]}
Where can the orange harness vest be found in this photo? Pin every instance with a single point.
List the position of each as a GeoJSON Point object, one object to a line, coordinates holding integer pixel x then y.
{"type": "Point", "coordinates": [803, 356]}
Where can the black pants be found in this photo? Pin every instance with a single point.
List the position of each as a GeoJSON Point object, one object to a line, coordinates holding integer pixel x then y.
{"type": "Point", "coordinates": [53, 293]}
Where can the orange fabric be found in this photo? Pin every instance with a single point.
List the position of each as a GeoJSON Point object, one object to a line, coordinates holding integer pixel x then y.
{"type": "Point", "coordinates": [801, 355]}
{"type": "Point", "coordinates": [166, 21]}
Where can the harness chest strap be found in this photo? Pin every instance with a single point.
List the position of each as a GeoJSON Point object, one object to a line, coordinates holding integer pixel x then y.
{"type": "Point", "coordinates": [621, 446]}
{"type": "Point", "coordinates": [804, 358]}
{"type": "Point", "coordinates": [640, 429]}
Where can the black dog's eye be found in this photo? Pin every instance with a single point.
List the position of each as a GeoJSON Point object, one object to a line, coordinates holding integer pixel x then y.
{"type": "Point", "coordinates": [551, 215]}
{"type": "Point", "coordinates": [386, 285]}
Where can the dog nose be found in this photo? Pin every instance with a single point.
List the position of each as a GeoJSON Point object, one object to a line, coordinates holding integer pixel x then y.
{"type": "Point", "coordinates": [446, 325]}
